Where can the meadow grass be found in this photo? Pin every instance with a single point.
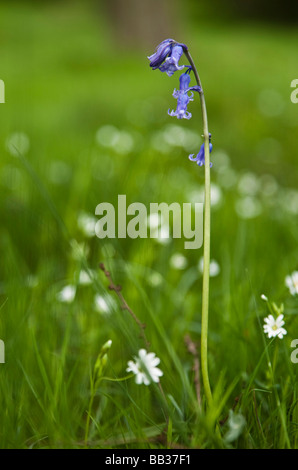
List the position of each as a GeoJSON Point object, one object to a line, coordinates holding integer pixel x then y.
{"type": "Point", "coordinates": [83, 123]}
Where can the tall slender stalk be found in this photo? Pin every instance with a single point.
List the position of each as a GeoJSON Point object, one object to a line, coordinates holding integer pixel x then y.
{"type": "Point", "coordinates": [206, 253]}
{"type": "Point", "coordinates": [166, 58]}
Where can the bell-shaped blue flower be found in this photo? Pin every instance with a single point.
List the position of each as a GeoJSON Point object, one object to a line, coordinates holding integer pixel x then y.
{"type": "Point", "coordinates": [162, 51]}
{"type": "Point", "coordinates": [200, 157]}
{"type": "Point", "coordinates": [183, 98]}
{"type": "Point", "coordinates": [167, 56]}
{"type": "Point", "coordinates": [171, 64]}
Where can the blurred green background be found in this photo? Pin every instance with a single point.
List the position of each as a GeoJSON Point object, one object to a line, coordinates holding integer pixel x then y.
{"type": "Point", "coordinates": [71, 68]}
{"type": "Point", "coordinates": [90, 118]}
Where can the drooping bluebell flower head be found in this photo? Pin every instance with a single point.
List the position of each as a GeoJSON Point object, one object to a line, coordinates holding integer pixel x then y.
{"type": "Point", "coordinates": [167, 56]}
{"type": "Point", "coordinates": [171, 64]}
{"type": "Point", "coordinates": [200, 157]}
{"type": "Point", "coordinates": [182, 98]}
{"type": "Point", "coordinates": [162, 51]}
{"type": "Point", "coordinates": [166, 59]}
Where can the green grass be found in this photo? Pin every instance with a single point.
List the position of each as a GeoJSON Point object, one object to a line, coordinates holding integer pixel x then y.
{"type": "Point", "coordinates": [64, 80]}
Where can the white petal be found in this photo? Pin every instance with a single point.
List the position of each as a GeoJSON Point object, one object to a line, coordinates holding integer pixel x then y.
{"type": "Point", "coordinates": [132, 367]}
{"type": "Point", "coordinates": [155, 361]}
{"type": "Point", "coordinates": [67, 294]}
{"type": "Point", "coordinates": [139, 378]}
{"type": "Point", "coordinates": [146, 380]}
{"type": "Point", "coordinates": [281, 333]}
{"type": "Point", "coordinates": [271, 320]}
{"type": "Point", "coordinates": [158, 372]}
{"type": "Point", "coordinates": [142, 353]}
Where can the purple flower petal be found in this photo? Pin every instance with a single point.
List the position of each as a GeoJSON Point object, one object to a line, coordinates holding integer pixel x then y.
{"type": "Point", "coordinates": [171, 64]}
{"type": "Point", "coordinates": [162, 51]}
{"type": "Point", "coordinates": [182, 98]}
{"type": "Point", "coordinates": [200, 157]}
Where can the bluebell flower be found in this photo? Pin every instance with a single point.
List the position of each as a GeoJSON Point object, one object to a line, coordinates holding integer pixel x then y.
{"type": "Point", "coordinates": [200, 157]}
{"type": "Point", "coordinates": [171, 64]}
{"type": "Point", "coordinates": [167, 56]}
{"type": "Point", "coordinates": [183, 98]}
{"type": "Point", "coordinates": [162, 51]}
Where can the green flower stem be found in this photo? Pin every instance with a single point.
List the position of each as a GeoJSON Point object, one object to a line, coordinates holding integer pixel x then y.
{"type": "Point", "coordinates": [206, 254]}
{"type": "Point", "coordinates": [94, 384]}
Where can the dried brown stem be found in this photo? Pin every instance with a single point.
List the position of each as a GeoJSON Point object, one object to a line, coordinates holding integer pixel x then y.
{"type": "Point", "coordinates": [124, 305]}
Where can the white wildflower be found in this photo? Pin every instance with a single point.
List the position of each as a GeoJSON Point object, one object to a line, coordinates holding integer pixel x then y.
{"type": "Point", "coordinates": [178, 261]}
{"type": "Point", "coordinates": [85, 278]}
{"type": "Point", "coordinates": [214, 268]}
{"type": "Point", "coordinates": [273, 327]}
{"type": "Point", "coordinates": [145, 368]}
{"type": "Point", "coordinates": [291, 282]}
{"type": "Point", "coordinates": [101, 304]}
{"type": "Point", "coordinates": [236, 424]}
{"type": "Point", "coordinates": [18, 143]}
{"type": "Point", "coordinates": [154, 279]}
{"type": "Point", "coordinates": [67, 294]}
{"type": "Point", "coordinates": [86, 223]}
